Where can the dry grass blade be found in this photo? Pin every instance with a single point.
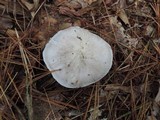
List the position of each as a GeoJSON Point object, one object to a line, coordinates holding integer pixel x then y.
{"type": "Point", "coordinates": [26, 64]}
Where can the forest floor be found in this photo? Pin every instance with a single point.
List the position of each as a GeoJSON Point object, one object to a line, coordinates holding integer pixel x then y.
{"type": "Point", "coordinates": [130, 91]}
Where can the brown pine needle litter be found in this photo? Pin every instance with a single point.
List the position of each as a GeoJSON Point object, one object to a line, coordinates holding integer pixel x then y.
{"type": "Point", "coordinates": [130, 91]}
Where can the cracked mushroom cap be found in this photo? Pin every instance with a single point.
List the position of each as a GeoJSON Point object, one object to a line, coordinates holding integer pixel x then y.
{"type": "Point", "coordinates": [77, 57]}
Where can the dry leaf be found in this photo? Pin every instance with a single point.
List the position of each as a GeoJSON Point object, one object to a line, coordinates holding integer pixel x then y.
{"type": "Point", "coordinates": [75, 4]}
{"type": "Point", "coordinates": [83, 3]}
{"type": "Point", "coordinates": [12, 33]}
{"type": "Point", "coordinates": [50, 20]}
{"type": "Point", "coordinates": [89, 1]}
{"type": "Point", "coordinates": [122, 15]}
{"type": "Point", "coordinates": [30, 6]}
{"type": "Point", "coordinates": [149, 30]}
{"type": "Point", "coordinates": [113, 87]}
{"type": "Point", "coordinates": [122, 35]}
{"type": "Point", "coordinates": [95, 113]}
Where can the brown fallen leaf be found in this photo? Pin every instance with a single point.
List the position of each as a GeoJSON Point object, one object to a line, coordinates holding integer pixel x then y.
{"type": "Point", "coordinates": [12, 33]}
{"type": "Point", "coordinates": [75, 4]}
{"type": "Point", "coordinates": [67, 11]}
{"type": "Point", "coordinates": [113, 87]}
{"type": "Point", "coordinates": [30, 6]}
{"type": "Point", "coordinates": [89, 1]}
{"type": "Point", "coordinates": [123, 16]}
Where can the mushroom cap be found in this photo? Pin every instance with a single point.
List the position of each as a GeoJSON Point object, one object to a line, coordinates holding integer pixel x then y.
{"type": "Point", "coordinates": [77, 57]}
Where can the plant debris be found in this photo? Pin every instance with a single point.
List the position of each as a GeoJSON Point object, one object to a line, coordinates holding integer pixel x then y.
{"type": "Point", "coordinates": [131, 90]}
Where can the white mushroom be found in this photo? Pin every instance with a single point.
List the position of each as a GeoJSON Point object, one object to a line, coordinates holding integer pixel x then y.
{"type": "Point", "coordinates": [77, 57]}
